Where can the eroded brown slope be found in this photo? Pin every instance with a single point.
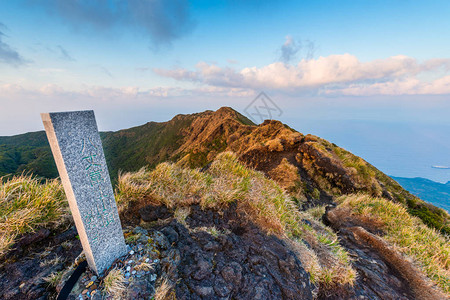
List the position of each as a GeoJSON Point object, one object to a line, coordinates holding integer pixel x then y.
{"type": "Point", "coordinates": [312, 169]}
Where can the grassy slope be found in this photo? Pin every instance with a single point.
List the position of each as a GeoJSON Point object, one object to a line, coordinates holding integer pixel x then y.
{"type": "Point", "coordinates": [128, 149]}
{"type": "Point", "coordinates": [152, 143]}
{"type": "Point", "coordinates": [260, 198]}
{"type": "Point", "coordinates": [429, 249]}
{"type": "Point", "coordinates": [371, 180]}
{"type": "Point", "coordinates": [29, 152]}
{"type": "Point", "coordinates": [27, 204]}
{"type": "Point", "coordinates": [145, 145]}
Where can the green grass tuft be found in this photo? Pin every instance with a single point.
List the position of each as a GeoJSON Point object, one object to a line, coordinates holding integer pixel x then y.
{"type": "Point", "coordinates": [27, 204]}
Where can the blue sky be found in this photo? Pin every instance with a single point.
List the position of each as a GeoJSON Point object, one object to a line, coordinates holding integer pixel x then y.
{"type": "Point", "coordinates": [320, 61]}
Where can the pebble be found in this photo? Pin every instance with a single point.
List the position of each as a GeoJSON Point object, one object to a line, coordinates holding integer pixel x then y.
{"type": "Point", "coordinates": [94, 278]}
{"type": "Point", "coordinates": [156, 260]}
{"type": "Point", "coordinates": [128, 268]}
{"type": "Point", "coordinates": [134, 272]}
{"type": "Point", "coordinates": [131, 252]}
{"type": "Point", "coordinates": [138, 276]}
{"type": "Point", "coordinates": [127, 274]}
{"type": "Point", "coordinates": [130, 261]}
{"type": "Point", "coordinates": [147, 259]}
{"type": "Point", "coordinates": [84, 292]}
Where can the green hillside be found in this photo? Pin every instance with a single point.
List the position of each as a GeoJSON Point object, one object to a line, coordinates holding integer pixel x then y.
{"type": "Point", "coordinates": [149, 144]}
{"type": "Point", "coordinates": [29, 152]}
{"type": "Point", "coordinates": [126, 150]}
{"type": "Point", "coordinates": [313, 170]}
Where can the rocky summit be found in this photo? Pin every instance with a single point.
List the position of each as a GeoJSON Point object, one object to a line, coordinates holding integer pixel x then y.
{"type": "Point", "coordinates": [215, 207]}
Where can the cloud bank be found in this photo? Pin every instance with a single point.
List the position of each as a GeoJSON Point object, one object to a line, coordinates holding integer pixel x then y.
{"type": "Point", "coordinates": [335, 74]}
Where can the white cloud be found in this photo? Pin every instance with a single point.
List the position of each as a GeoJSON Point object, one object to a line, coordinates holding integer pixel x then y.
{"type": "Point", "coordinates": [341, 74]}
{"type": "Point", "coordinates": [407, 86]}
{"type": "Point", "coordinates": [11, 92]}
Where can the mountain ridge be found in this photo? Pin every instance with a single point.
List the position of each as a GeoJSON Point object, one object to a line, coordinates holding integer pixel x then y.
{"type": "Point", "coordinates": [222, 207]}
{"type": "Point", "coordinates": [312, 169]}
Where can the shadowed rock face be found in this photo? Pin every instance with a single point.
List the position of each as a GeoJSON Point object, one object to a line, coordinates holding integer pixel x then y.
{"type": "Point", "coordinates": [33, 258]}
{"type": "Point", "coordinates": [377, 279]}
{"type": "Point", "coordinates": [239, 262]}
{"type": "Point", "coordinates": [234, 260]}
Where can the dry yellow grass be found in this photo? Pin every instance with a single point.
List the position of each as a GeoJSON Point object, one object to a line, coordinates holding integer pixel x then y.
{"type": "Point", "coordinates": [114, 284]}
{"type": "Point", "coordinates": [429, 248]}
{"type": "Point", "coordinates": [275, 145]}
{"type": "Point", "coordinates": [164, 291]}
{"type": "Point", "coordinates": [144, 266]}
{"type": "Point", "coordinates": [51, 262]}
{"type": "Point", "coordinates": [285, 174]}
{"type": "Point", "coordinates": [260, 198]}
{"type": "Point", "coordinates": [26, 204]}
{"type": "Point", "coordinates": [181, 213]}
{"type": "Point", "coordinates": [316, 212]}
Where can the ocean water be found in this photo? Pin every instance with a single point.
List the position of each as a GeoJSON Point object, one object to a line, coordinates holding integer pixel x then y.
{"type": "Point", "coordinates": [398, 149]}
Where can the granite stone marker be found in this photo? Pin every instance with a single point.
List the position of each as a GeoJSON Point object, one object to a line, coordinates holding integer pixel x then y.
{"type": "Point", "coordinates": [78, 153]}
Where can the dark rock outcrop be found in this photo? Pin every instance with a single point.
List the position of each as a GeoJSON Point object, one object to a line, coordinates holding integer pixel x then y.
{"type": "Point", "coordinates": [34, 258]}
{"type": "Point", "coordinates": [225, 257]}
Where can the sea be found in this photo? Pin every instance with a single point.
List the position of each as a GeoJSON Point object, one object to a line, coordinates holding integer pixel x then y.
{"type": "Point", "coordinates": [397, 149]}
